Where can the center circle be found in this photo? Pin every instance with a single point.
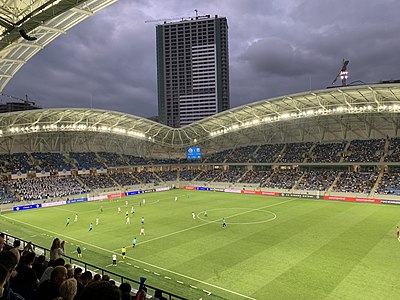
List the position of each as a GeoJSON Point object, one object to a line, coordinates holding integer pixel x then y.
{"type": "Point", "coordinates": [201, 215]}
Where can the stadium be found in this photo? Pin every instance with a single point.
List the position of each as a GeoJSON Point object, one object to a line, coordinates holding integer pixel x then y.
{"type": "Point", "coordinates": [293, 197]}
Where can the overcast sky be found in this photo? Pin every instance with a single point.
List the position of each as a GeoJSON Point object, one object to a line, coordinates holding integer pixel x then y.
{"type": "Point", "coordinates": [276, 47]}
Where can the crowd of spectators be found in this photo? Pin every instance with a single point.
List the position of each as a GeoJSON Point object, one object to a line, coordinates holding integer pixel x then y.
{"type": "Point", "coordinates": [365, 150]}
{"type": "Point", "coordinates": [283, 179]}
{"type": "Point", "coordinates": [42, 188]}
{"type": "Point", "coordinates": [209, 175]}
{"type": "Point", "coordinates": [241, 155]}
{"type": "Point", "coordinates": [267, 153]}
{"type": "Point", "coordinates": [135, 160]}
{"type": "Point", "coordinates": [86, 160]}
{"type": "Point", "coordinates": [6, 195]}
{"type": "Point", "coordinates": [258, 177]}
{"type": "Point", "coordinates": [16, 162]}
{"type": "Point", "coordinates": [53, 187]}
{"type": "Point", "coordinates": [50, 162]}
{"type": "Point", "coordinates": [231, 176]}
{"type": "Point", "coordinates": [389, 184]}
{"type": "Point", "coordinates": [355, 182]}
{"type": "Point", "coordinates": [394, 150]}
{"type": "Point", "coordinates": [217, 157]}
{"type": "Point", "coordinates": [326, 153]}
{"type": "Point", "coordinates": [112, 159]}
{"type": "Point", "coordinates": [25, 276]}
{"type": "Point", "coordinates": [101, 181]}
{"type": "Point", "coordinates": [124, 179]}
{"type": "Point", "coordinates": [147, 177]}
{"type": "Point", "coordinates": [188, 175]}
{"type": "Point", "coordinates": [295, 153]}
{"type": "Point", "coordinates": [317, 180]}
{"type": "Point", "coordinates": [168, 175]}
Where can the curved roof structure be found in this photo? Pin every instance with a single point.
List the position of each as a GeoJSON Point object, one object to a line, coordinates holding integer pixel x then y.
{"type": "Point", "coordinates": [331, 114]}
{"type": "Point", "coordinates": [27, 26]}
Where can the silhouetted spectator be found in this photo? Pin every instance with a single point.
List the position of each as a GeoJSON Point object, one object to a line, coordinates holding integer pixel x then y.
{"type": "Point", "coordinates": [8, 261]}
{"type": "Point", "coordinates": [96, 277]}
{"type": "Point", "coordinates": [39, 266]}
{"type": "Point", "coordinates": [53, 263]}
{"type": "Point", "coordinates": [100, 290]}
{"type": "Point", "coordinates": [83, 280]}
{"type": "Point", "coordinates": [68, 289]}
{"type": "Point", "coordinates": [158, 295]}
{"type": "Point", "coordinates": [26, 281]}
{"type": "Point", "coordinates": [15, 249]}
{"type": "Point", "coordinates": [126, 291]}
{"type": "Point", "coordinates": [50, 289]}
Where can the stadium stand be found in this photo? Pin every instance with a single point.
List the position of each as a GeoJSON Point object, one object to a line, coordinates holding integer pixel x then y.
{"type": "Point", "coordinates": [393, 151]}
{"type": "Point", "coordinates": [124, 179]}
{"type": "Point", "coordinates": [365, 150]}
{"type": "Point", "coordinates": [16, 162]}
{"type": "Point", "coordinates": [129, 170]}
{"type": "Point", "coordinates": [352, 182]}
{"type": "Point", "coordinates": [339, 167]}
{"type": "Point", "coordinates": [46, 188]}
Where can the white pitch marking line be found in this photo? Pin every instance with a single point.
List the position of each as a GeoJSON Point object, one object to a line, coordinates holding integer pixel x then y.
{"type": "Point", "coordinates": [179, 282]}
{"type": "Point", "coordinates": [137, 267]}
{"type": "Point", "coordinates": [129, 264]}
{"type": "Point", "coordinates": [156, 274]}
{"type": "Point", "coordinates": [192, 286]}
{"type": "Point", "coordinates": [209, 293]}
{"type": "Point", "coordinates": [146, 270]}
{"type": "Point", "coordinates": [166, 277]}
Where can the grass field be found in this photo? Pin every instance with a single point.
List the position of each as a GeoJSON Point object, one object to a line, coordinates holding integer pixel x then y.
{"type": "Point", "coordinates": [272, 248]}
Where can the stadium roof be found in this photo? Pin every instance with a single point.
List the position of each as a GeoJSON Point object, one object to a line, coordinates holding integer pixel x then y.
{"type": "Point", "coordinates": [27, 26]}
{"type": "Point", "coordinates": [375, 107]}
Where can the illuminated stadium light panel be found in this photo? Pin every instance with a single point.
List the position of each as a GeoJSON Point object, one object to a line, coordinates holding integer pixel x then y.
{"type": "Point", "coordinates": [74, 127]}
{"type": "Point", "coordinates": [306, 114]}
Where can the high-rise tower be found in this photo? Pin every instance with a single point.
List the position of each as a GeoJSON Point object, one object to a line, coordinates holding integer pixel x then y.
{"type": "Point", "coordinates": [192, 69]}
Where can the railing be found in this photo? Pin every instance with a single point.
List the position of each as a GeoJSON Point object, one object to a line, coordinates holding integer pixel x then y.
{"type": "Point", "coordinates": [39, 250]}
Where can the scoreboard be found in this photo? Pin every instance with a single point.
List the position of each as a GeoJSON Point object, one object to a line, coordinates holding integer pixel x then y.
{"type": "Point", "coordinates": [193, 153]}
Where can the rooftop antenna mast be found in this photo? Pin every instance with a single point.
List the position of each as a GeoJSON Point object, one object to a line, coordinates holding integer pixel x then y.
{"type": "Point", "coordinates": [343, 74]}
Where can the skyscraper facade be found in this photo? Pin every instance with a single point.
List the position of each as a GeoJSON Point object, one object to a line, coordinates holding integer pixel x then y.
{"type": "Point", "coordinates": [192, 69]}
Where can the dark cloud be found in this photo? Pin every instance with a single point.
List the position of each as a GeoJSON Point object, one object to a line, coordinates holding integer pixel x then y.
{"type": "Point", "coordinates": [276, 48]}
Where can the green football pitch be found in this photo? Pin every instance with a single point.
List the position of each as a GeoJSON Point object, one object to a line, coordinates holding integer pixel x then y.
{"type": "Point", "coordinates": [271, 248]}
